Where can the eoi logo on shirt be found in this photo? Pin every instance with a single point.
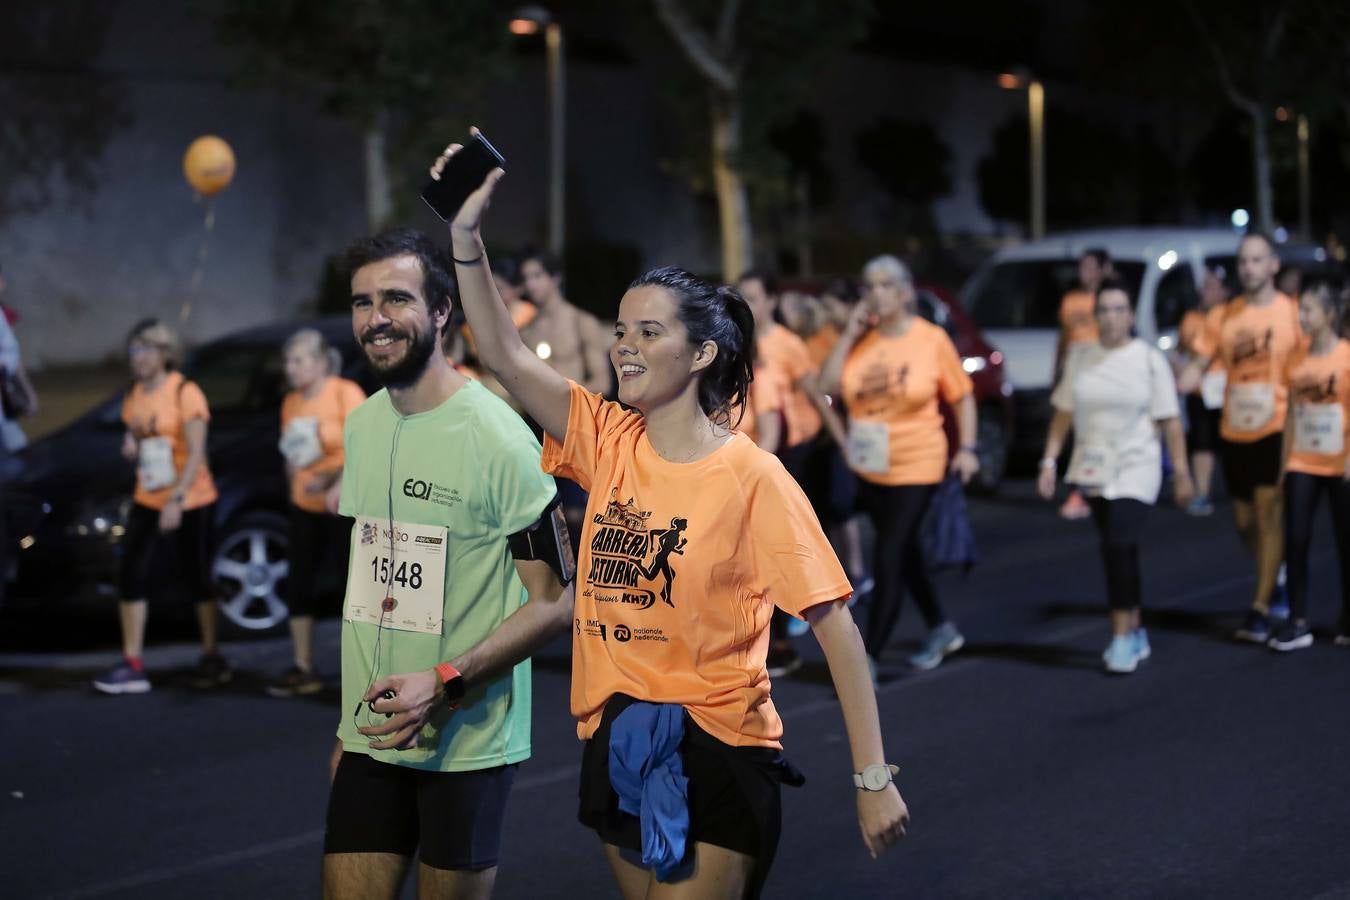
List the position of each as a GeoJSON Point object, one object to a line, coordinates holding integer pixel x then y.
{"type": "Point", "coordinates": [628, 556]}
{"type": "Point", "coordinates": [418, 489]}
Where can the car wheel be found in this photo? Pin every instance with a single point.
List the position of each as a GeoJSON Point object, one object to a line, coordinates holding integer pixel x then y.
{"type": "Point", "coordinates": [992, 443]}
{"type": "Point", "coordinates": [248, 568]}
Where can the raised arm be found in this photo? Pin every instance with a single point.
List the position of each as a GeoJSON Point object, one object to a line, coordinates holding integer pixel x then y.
{"type": "Point", "coordinates": [541, 392]}
{"type": "Point", "coordinates": [830, 379]}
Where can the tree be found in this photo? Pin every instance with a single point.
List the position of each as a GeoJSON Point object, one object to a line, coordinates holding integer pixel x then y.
{"type": "Point", "coordinates": [754, 59]}
{"type": "Point", "coordinates": [58, 113]}
{"type": "Point", "coordinates": [912, 165]}
{"type": "Point", "coordinates": [393, 68]}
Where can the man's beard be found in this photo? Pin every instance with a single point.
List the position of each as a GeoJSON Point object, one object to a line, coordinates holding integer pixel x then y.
{"type": "Point", "coordinates": [406, 371]}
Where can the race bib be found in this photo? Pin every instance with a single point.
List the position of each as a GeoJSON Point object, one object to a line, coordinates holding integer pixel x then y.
{"type": "Point", "coordinates": [869, 446]}
{"type": "Point", "coordinates": [1319, 428]}
{"type": "Point", "coordinates": [1212, 388]}
{"type": "Point", "coordinates": [1093, 464]}
{"type": "Point", "coordinates": [397, 576]}
{"type": "Point", "coordinates": [154, 464]}
{"type": "Point", "coordinates": [1250, 407]}
{"type": "Point", "coordinates": [300, 442]}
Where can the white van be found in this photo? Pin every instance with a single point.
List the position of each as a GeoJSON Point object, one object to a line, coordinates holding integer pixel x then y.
{"type": "Point", "coordinates": [1014, 297]}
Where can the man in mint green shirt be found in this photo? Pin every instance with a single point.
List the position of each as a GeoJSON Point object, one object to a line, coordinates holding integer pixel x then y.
{"type": "Point", "coordinates": [440, 616]}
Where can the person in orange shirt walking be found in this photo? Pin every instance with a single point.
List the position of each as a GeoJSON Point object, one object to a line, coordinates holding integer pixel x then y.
{"type": "Point", "coordinates": [1078, 325]}
{"type": "Point", "coordinates": [892, 367]}
{"type": "Point", "coordinates": [692, 537]}
{"type": "Point", "coordinates": [168, 529]}
{"type": "Point", "coordinates": [312, 415]}
{"type": "Point", "coordinates": [804, 408]}
{"type": "Point", "coordinates": [1204, 405]}
{"type": "Point", "coordinates": [1316, 460]}
{"type": "Point", "coordinates": [1254, 339]}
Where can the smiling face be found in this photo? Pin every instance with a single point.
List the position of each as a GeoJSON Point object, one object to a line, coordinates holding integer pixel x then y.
{"type": "Point", "coordinates": [651, 354]}
{"type": "Point", "coordinates": [1313, 315]}
{"type": "Point", "coordinates": [391, 320]}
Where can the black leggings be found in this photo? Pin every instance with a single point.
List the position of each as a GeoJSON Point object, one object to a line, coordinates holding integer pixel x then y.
{"type": "Point", "coordinates": [1119, 524]}
{"type": "Point", "coordinates": [896, 513]}
{"type": "Point", "coordinates": [313, 537]}
{"type": "Point", "coordinates": [1301, 495]}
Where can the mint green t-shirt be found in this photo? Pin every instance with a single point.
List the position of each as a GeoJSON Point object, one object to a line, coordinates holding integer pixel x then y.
{"type": "Point", "coordinates": [472, 466]}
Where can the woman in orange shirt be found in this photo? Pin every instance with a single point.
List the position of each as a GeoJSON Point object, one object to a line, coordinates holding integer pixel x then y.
{"type": "Point", "coordinates": [1316, 460]}
{"type": "Point", "coordinates": [168, 529]}
{"type": "Point", "coordinates": [891, 367]}
{"type": "Point", "coordinates": [692, 537]}
{"type": "Point", "coordinates": [312, 415]}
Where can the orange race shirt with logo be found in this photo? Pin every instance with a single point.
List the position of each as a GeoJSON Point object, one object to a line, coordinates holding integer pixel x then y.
{"type": "Point", "coordinates": [680, 569]}
{"type": "Point", "coordinates": [769, 393]}
{"type": "Point", "coordinates": [781, 348]}
{"type": "Point", "coordinates": [163, 413]}
{"type": "Point", "coordinates": [330, 406]}
{"type": "Point", "coordinates": [1078, 317]}
{"type": "Point", "coordinates": [1318, 385]}
{"type": "Point", "coordinates": [897, 381]}
{"type": "Point", "coordinates": [821, 344]}
{"type": "Point", "coordinates": [1255, 344]}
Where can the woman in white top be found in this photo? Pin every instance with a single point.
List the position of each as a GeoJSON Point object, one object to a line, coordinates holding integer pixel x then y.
{"type": "Point", "coordinates": [1116, 395]}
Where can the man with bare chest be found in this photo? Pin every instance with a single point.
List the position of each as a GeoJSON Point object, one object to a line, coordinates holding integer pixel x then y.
{"type": "Point", "coordinates": [573, 342]}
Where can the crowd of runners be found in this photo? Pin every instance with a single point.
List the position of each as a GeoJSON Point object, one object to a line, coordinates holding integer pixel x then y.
{"type": "Point", "coordinates": [735, 465]}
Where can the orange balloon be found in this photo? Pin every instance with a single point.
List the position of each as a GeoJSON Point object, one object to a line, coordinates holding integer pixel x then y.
{"type": "Point", "coordinates": [209, 165]}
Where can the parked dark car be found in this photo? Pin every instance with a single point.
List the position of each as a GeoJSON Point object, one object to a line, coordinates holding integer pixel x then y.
{"type": "Point", "coordinates": [67, 508]}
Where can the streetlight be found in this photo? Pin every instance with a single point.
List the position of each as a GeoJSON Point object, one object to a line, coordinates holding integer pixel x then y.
{"type": "Point", "coordinates": [1017, 80]}
{"type": "Point", "coordinates": [529, 20]}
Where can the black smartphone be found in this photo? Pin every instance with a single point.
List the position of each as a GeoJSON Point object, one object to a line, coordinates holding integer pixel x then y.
{"type": "Point", "coordinates": [462, 175]}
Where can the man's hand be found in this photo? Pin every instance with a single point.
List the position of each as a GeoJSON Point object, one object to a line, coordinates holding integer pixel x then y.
{"type": "Point", "coordinates": [1045, 482]}
{"type": "Point", "coordinates": [171, 516]}
{"type": "Point", "coordinates": [883, 818]}
{"type": "Point", "coordinates": [417, 695]}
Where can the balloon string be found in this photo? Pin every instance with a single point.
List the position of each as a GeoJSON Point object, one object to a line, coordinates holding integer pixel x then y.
{"type": "Point", "coordinates": [208, 225]}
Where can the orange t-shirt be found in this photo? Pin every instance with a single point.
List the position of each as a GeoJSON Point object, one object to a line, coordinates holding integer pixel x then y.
{"type": "Point", "coordinates": [769, 393]}
{"type": "Point", "coordinates": [1255, 344]}
{"type": "Point", "coordinates": [1320, 389]}
{"type": "Point", "coordinates": [1078, 317]}
{"type": "Point", "coordinates": [163, 413]}
{"type": "Point", "coordinates": [330, 407]}
{"type": "Point", "coordinates": [897, 381]}
{"type": "Point", "coordinates": [821, 344]}
{"type": "Point", "coordinates": [680, 568]}
{"type": "Point", "coordinates": [785, 351]}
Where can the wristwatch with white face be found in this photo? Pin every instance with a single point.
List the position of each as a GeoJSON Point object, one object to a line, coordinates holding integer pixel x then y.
{"type": "Point", "coordinates": [875, 777]}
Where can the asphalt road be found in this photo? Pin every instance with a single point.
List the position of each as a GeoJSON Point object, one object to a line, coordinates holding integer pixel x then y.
{"type": "Point", "coordinates": [1218, 770]}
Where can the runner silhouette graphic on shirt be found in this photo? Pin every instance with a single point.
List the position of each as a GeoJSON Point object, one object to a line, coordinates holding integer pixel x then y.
{"type": "Point", "coordinates": [668, 541]}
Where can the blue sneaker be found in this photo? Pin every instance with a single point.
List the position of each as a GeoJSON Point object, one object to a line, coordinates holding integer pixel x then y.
{"type": "Point", "coordinates": [941, 642]}
{"type": "Point", "coordinates": [1141, 647]}
{"type": "Point", "coordinates": [1255, 628]}
{"type": "Point", "coordinates": [1291, 636]}
{"type": "Point", "coordinates": [122, 680]}
{"type": "Point", "coordinates": [1122, 656]}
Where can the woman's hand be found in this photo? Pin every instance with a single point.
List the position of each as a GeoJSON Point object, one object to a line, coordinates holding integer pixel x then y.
{"type": "Point", "coordinates": [965, 464]}
{"type": "Point", "coordinates": [1045, 482]}
{"type": "Point", "coordinates": [466, 222]}
{"type": "Point", "coordinates": [883, 818]}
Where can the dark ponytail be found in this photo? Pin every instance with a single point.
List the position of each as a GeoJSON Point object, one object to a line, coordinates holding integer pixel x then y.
{"type": "Point", "coordinates": [720, 315]}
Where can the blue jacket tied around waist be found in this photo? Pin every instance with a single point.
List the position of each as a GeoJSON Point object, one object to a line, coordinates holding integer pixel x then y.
{"type": "Point", "coordinates": [647, 772]}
